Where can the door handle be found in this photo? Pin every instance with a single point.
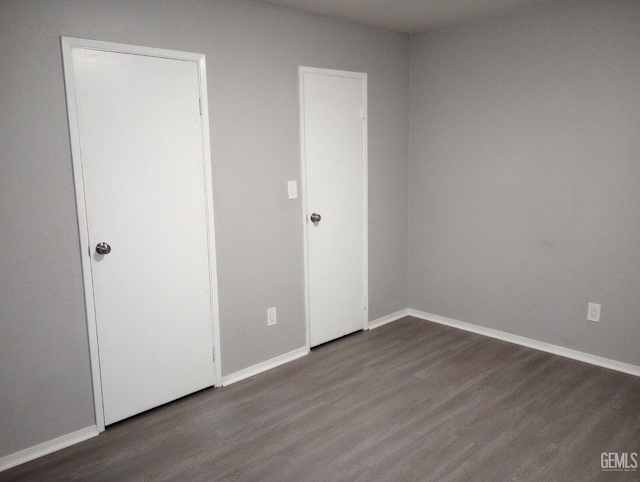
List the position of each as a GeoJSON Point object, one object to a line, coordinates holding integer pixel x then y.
{"type": "Point", "coordinates": [315, 218]}
{"type": "Point", "coordinates": [103, 248]}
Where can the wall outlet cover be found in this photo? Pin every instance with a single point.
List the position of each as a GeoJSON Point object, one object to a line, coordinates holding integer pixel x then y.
{"type": "Point", "coordinates": [272, 317]}
{"type": "Point", "coordinates": [593, 312]}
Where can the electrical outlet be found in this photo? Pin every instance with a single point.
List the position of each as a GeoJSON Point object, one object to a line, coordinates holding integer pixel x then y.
{"type": "Point", "coordinates": [593, 312]}
{"type": "Point", "coordinates": [272, 317]}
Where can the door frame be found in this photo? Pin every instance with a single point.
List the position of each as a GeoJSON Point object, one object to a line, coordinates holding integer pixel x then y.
{"type": "Point", "coordinates": [68, 44]}
{"type": "Point", "coordinates": [365, 188]}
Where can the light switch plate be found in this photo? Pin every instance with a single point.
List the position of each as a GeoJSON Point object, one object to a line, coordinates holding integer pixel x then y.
{"type": "Point", "coordinates": [292, 187]}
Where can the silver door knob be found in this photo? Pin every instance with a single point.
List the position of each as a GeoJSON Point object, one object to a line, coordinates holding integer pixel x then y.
{"type": "Point", "coordinates": [315, 218]}
{"type": "Point", "coordinates": [103, 248]}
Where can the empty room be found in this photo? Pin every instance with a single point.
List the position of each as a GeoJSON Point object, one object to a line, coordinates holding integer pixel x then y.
{"type": "Point", "coordinates": [319, 240]}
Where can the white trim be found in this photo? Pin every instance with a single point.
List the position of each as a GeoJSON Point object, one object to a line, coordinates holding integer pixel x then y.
{"type": "Point", "coordinates": [365, 200]}
{"type": "Point", "coordinates": [208, 186]}
{"type": "Point", "coordinates": [45, 448]}
{"type": "Point", "coordinates": [305, 227]}
{"type": "Point", "coordinates": [333, 73]}
{"type": "Point", "coordinates": [530, 343]}
{"type": "Point", "coordinates": [72, 42]}
{"type": "Point", "coordinates": [388, 319]}
{"type": "Point", "coordinates": [264, 366]}
{"type": "Point", "coordinates": [365, 173]}
{"type": "Point", "coordinates": [68, 44]}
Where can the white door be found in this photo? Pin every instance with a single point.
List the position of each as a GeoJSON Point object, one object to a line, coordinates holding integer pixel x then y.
{"type": "Point", "coordinates": [333, 120]}
{"type": "Point", "coordinates": [141, 149]}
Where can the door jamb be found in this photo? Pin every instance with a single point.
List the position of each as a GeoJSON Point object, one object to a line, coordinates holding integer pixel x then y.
{"type": "Point", "coordinates": [68, 44]}
{"type": "Point", "coordinates": [365, 174]}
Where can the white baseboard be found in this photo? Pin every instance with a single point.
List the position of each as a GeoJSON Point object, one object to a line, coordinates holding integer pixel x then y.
{"type": "Point", "coordinates": [531, 343]}
{"type": "Point", "coordinates": [388, 319]}
{"type": "Point", "coordinates": [45, 448]}
{"type": "Point", "coordinates": [264, 366]}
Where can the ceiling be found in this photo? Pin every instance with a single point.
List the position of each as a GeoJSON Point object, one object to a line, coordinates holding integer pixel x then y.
{"type": "Point", "coordinates": [407, 15]}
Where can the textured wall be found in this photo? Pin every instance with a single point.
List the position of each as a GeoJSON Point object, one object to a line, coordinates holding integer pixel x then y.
{"type": "Point", "coordinates": [253, 53]}
{"type": "Point", "coordinates": [525, 175]}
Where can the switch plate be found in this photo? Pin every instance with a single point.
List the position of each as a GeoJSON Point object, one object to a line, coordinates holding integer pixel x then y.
{"type": "Point", "coordinates": [593, 312]}
{"type": "Point", "coordinates": [272, 317]}
{"type": "Point", "coordinates": [292, 188]}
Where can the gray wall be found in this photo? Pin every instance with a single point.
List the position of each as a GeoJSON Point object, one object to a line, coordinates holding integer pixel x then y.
{"type": "Point", "coordinates": [253, 53]}
{"type": "Point", "coordinates": [525, 175]}
{"type": "Point", "coordinates": [524, 199]}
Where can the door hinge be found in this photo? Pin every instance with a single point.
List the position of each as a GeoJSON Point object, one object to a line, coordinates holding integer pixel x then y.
{"type": "Point", "coordinates": [200, 104]}
{"type": "Point", "coordinates": [364, 302]}
{"type": "Point", "coordinates": [363, 112]}
{"type": "Point", "coordinates": [213, 352]}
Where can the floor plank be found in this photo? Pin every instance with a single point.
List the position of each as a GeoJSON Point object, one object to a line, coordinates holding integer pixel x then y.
{"type": "Point", "coordinates": [411, 400]}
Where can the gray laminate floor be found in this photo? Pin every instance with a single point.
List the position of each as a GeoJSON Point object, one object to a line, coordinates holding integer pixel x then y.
{"type": "Point", "coordinates": [411, 400]}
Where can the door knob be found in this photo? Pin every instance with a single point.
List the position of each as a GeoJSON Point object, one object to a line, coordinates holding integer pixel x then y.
{"type": "Point", "coordinates": [103, 248]}
{"type": "Point", "coordinates": [315, 218]}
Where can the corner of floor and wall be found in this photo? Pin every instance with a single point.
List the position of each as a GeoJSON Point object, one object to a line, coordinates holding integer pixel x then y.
{"type": "Point", "coordinates": [524, 202]}
{"type": "Point", "coordinates": [503, 175]}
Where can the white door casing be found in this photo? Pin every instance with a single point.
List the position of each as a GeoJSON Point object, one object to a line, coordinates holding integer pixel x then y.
{"type": "Point", "coordinates": [333, 106]}
{"type": "Point", "coordinates": [142, 170]}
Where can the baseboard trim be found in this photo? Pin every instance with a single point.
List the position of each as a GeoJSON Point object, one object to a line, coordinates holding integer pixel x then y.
{"type": "Point", "coordinates": [388, 319]}
{"type": "Point", "coordinates": [45, 448]}
{"type": "Point", "coordinates": [264, 366]}
{"type": "Point", "coordinates": [531, 343]}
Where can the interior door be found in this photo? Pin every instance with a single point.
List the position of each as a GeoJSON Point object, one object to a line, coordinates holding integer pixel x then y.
{"type": "Point", "coordinates": [141, 146]}
{"type": "Point", "coordinates": [333, 110]}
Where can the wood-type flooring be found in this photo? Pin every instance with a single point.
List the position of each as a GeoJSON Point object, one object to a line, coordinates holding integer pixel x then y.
{"type": "Point", "coordinates": [411, 400]}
